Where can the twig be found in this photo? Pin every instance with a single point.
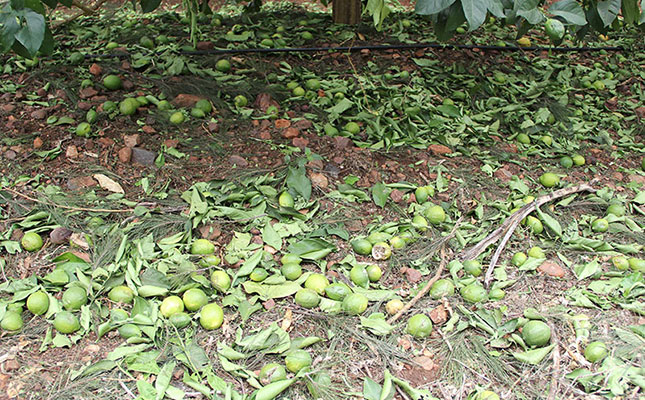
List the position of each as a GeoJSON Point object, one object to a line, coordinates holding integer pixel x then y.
{"type": "Point", "coordinates": [24, 196]}
{"type": "Point", "coordinates": [423, 291]}
{"type": "Point", "coordinates": [85, 11]}
{"type": "Point", "coordinates": [556, 366]}
{"type": "Point", "coordinates": [127, 390]}
{"type": "Point", "coordinates": [510, 224]}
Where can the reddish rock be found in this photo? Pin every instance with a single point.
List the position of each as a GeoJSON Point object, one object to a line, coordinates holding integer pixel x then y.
{"type": "Point", "coordinates": [439, 149]}
{"type": "Point", "coordinates": [87, 92]}
{"type": "Point", "coordinates": [186, 100]}
{"type": "Point", "coordinates": [71, 151]}
{"type": "Point", "coordinates": [125, 154]}
{"type": "Point", "coordinates": [8, 108]}
{"type": "Point", "coordinates": [552, 269]}
{"type": "Point", "coordinates": [132, 140]}
{"type": "Point", "coordinates": [640, 112]}
{"type": "Point", "coordinates": [264, 100]}
{"type": "Point", "coordinates": [269, 304]}
{"type": "Point", "coordinates": [290, 133]}
{"type": "Point", "coordinates": [282, 123]}
{"type": "Point", "coordinates": [99, 99]}
{"type": "Point", "coordinates": [39, 114]}
{"type": "Point", "coordinates": [128, 85]}
{"type": "Point", "coordinates": [83, 105]}
{"type": "Point", "coordinates": [81, 182]}
{"type": "Point", "coordinates": [300, 142]}
{"type": "Point", "coordinates": [319, 180]}
{"type": "Point", "coordinates": [10, 155]}
{"type": "Point", "coordinates": [148, 129]}
{"type": "Point", "coordinates": [503, 174]}
{"type": "Point", "coordinates": [303, 124]}
{"type": "Point", "coordinates": [315, 164]}
{"type": "Point", "coordinates": [213, 127]}
{"type": "Point", "coordinates": [341, 142]}
{"type": "Point", "coordinates": [11, 365]}
{"type": "Point", "coordinates": [396, 195]}
{"type": "Point", "coordinates": [206, 45]}
{"type": "Point", "coordinates": [238, 161]}
{"type": "Point", "coordinates": [412, 275]}
{"type": "Point", "coordinates": [38, 143]}
{"type": "Point", "coordinates": [265, 135]}
{"type": "Point", "coordinates": [106, 142]}
{"type": "Point", "coordinates": [210, 231]}
{"type": "Point", "coordinates": [439, 315]}
{"type": "Point", "coordinates": [96, 69]}
{"type": "Point", "coordinates": [171, 143]}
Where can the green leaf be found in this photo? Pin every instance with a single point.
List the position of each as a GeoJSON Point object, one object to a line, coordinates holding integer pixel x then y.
{"type": "Point", "coordinates": [163, 379]}
{"type": "Point", "coordinates": [32, 33]}
{"type": "Point", "coordinates": [570, 11]}
{"type": "Point", "coordinates": [528, 9]}
{"type": "Point", "coordinates": [146, 390]}
{"type": "Point", "coordinates": [311, 249]}
{"type": "Point", "coordinates": [429, 7]}
{"type": "Point", "coordinates": [380, 194]}
{"type": "Point", "coordinates": [149, 5]}
{"type": "Point", "coordinates": [608, 10]}
{"type": "Point", "coordinates": [533, 357]}
{"type": "Point", "coordinates": [550, 222]}
{"type": "Point", "coordinates": [271, 291]}
{"type": "Point", "coordinates": [298, 181]}
{"type": "Point", "coordinates": [475, 12]}
{"type": "Point", "coordinates": [271, 237]}
{"type": "Point", "coordinates": [248, 265]}
{"type": "Point", "coordinates": [496, 8]}
{"type": "Point", "coordinates": [371, 390]}
{"type": "Point", "coordinates": [583, 271]}
{"type": "Point", "coordinates": [377, 324]}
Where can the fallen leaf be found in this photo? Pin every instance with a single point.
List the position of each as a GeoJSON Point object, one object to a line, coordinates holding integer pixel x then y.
{"type": "Point", "coordinates": [108, 184]}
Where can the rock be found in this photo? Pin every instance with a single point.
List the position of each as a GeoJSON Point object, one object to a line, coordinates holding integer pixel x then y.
{"type": "Point", "coordinates": [186, 100]}
{"type": "Point", "coordinates": [128, 85]}
{"type": "Point", "coordinates": [60, 235]}
{"type": "Point", "coordinates": [148, 129]}
{"type": "Point", "coordinates": [71, 152]}
{"type": "Point", "coordinates": [425, 362]}
{"type": "Point", "coordinates": [303, 124]}
{"type": "Point", "coordinates": [106, 141]}
{"type": "Point", "coordinates": [10, 155]}
{"type": "Point", "coordinates": [269, 304]}
{"type": "Point", "coordinates": [396, 195]}
{"type": "Point", "coordinates": [282, 123]}
{"type": "Point", "coordinates": [640, 112]}
{"type": "Point", "coordinates": [238, 161]}
{"type": "Point", "coordinates": [315, 164]}
{"type": "Point", "coordinates": [332, 170]}
{"type": "Point", "coordinates": [206, 45]}
{"type": "Point", "coordinates": [8, 108]}
{"type": "Point", "coordinates": [171, 143]}
{"type": "Point", "coordinates": [341, 142]}
{"type": "Point", "coordinates": [38, 143]}
{"type": "Point", "coordinates": [11, 365]}
{"type": "Point", "coordinates": [552, 269]}
{"type": "Point", "coordinates": [318, 179]}
{"type": "Point", "coordinates": [143, 156]}
{"type": "Point", "coordinates": [83, 105]}
{"type": "Point", "coordinates": [265, 135]}
{"type": "Point", "coordinates": [290, 133]}
{"type": "Point", "coordinates": [503, 174]}
{"type": "Point", "coordinates": [125, 154]}
{"type": "Point", "coordinates": [439, 149]}
{"type": "Point", "coordinates": [96, 69]}
{"type": "Point", "coordinates": [39, 114]}
{"type": "Point", "coordinates": [412, 275]}
{"type": "Point", "coordinates": [300, 142]}
{"type": "Point", "coordinates": [81, 182]}
{"type": "Point", "coordinates": [132, 140]}
{"type": "Point", "coordinates": [264, 100]}
{"type": "Point", "coordinates": [439, 315]}
{"type": "Point", "coordinates": [213, 127]}
{"type": "Point", "coordinates": [87, 92]}
{"type": "Point", "coordinates": [210, 231]}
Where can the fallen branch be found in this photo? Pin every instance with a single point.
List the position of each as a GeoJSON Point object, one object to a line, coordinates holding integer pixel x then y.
{"type": "Point", "coordinates": [85, 10]}
{"type": "Point", "coordinates": [505, 231]}
{"type": "Point", "coordinates": [556, 366]}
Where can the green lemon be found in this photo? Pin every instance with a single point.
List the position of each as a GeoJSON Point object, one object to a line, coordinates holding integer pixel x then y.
{"type": "Point", "coordinates": [374, 272]}
{"type": "Point", "coordinates": [164, 105]}
{"type": "Point", "coordinates": [600, 225]}
{"type": "Point", "coordinates": [420, 223]}
{"type": "Point", "coordinates": [596, 352]}
{"type": "Point", "coordinates": [210, 260]}
{"type": "Point", "coordinates": [473, 267]}
{"type": "Point", "coordinates": [473, 293]}
{"type": "Point", "coordinates": [202, 246]}
{"type": "Point", "coordinates": [535, 224]}
{"type": "Point", "coordinates": [240, 101]}
{"type": "Point", "coordinates": [536, 333]}
{"type": "Point", "coordinates": [128, 106]}
{"type": "Point", "coordinates": [637, 264]}
{"type": "Point", "coordinates": [83, 129]}
{"type": "Point", "coordinates": [352, 127]}
{"type": "Point", "coordinates": [291, 271]}
{"type": "Point", "coordinates": [220, 280]}
{"type": "Point", "coordinates": [616, 209]}
{"type": "Point", "coordinates": [290, 258]}
{"type": "Point", "coordinates": [536, 252]}
{"type": "Point", "coordinates": [147, 42]}
{"type": "Point", "coordinates": [355, 303]}
{"type": "Point", "coordinates": [109, 106]}
{"type": "Point", "coordinates": [194, 299]}
{"type": "Point", "coordinates": [422, 193]}
{"type": "Point", "coordinates": [358, 275]}
{"type": "Point", "coordinates": [91, 116]}
{"type": "Point", "coordinates": [496, 294]}
{"type": "Point", "coordinates": [179, 320]}
{"type": "Point", "coordinates": [486, 395]}
{"type": "Point", "coordinates": [223, 65]}
{"type": "Point", "coordinates": [171, 305]}
{"type": "Point", "coordinates": [112, 82]}
{"type": "Point", "coordinates": [307, 35]}
{"type": "Point", "coordinates": [12, 321]}
{"type": "Point", "coordinates": [204, 105]}
{"type": "Point", "coordinates": [621, 263]}
{"type": "Point", "coordinates": [337, 291]}
{"type": "Point", "coordinates": [376, 237]}
{"type": "Point", "coordinates": [129, 330]}
{"type": "Point", "coordinates": [435, 215]}
{"type": "Point", "coordinates": [419, 326]}
{"type": "Point", "coordinates": [197, 113]}
{"type": "Point", "coordinates": [297, 360]}
{"type": "Point", "coordinates": [547, 140]}
{"type": "Point", "coordinates": [566, 162]}
{"type": "Point", "coordinates": [307, 298]}
{"type": "Point", "coordinates": [121, 294]}
{"type": "Point", "coordinates": [31, 241]}
{"type": "Point", "coordinates": [118, 315]}
{"type": "Point", "coordinates": [578, 160]}
{"type": "Point", "coordinates": [549, 180]}
{"type": "Point", "coordinates": [38, 303]}
{"type": "Point", "coordinates": [298, 91]}
{"type": "Point", "coordinates": [66, 322]}
{"type": "Point", "coordinates": [361, 246]}
{"type": "Point", "coordinates": [74, 298]}
{"type": "Point", "coordinates": [286, 200]}
{"type": "Point", "coordinates": [394, 306]}
{"type": "Point", "coordinates": [272, 372]}
{"type": "Point", "coordinates": [442, 288]}
{"type": "Point", "coordinates": [397, 242]}
{"type": "Point", "coordinates": [317, 282]}
{"type": "Point", "coordinates": [523, 138]}
{"type": "Point", "coordinates": [111, 45]}
{"type": "Point", "coordinates": [211, 316]}
{"type": "Point", "coordinates": [76, 58]}
{"type": "Point", "coordinates": [258, 274]}
{"type": "Point", "coordinates": [554, 29]}
{"type": "Point", "coordinates": [312, 84]}
{"type": "Point", "coordinates": [518, 259]}
{"type": "Point", "coordinates": [177, 118]}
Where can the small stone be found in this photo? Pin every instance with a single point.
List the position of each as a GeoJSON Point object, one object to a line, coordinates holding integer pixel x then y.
{"type": "Point", "coordinates": [87, 92]}
{"type": "Point", "coordinates": [412, 275]}
{"type": "Point", "coordinates": [10, 155]}
{"type": "Point", "coordinates": [315, 164]}
{"type": "Point", "coordinates": [396, 195]}
{"type": "Point", "coordinates": [81, 182]}
{"type": "Point", "coordinates": [143, 156]}
{"type": "Point", "coordinates": [38, 143]}
{"type": "Point", "coordinates": [290, 133]}
{"type": "Point", "coordinates": [83, 105]}
{"type": "Point", "coordinates": [148, 129]}
{"type": "Point", "coordinates": [39, 114]}
{"type": "Point", "coordinates": [125, 154]}
{"type": "Point", "coordinates": [269, 304]}
{"type": "Point", "coordinates": [132, 140]}
{"type": "Point", "coordinates": [282, 123]}
{"type": "Point", "coordinates": [213, 127]}
{"type": "Point", "coordinates": [206, 45]}
{"type": "Point", "coordinates": [319, 180]}
{"type": "Point", "coordinates": [552, 269]}
{"type": "Point", "coordinates": [186, 100]}
{"type": "Point", "coordinates": [60, 235]}
{"type": "Point", "coordinates": [71, 151]}
{"type": "Point", "coordinates": [300, 142]}
{"type": "Point", "coordinates": [238, 161]}
{"type": "Point", "coordinates": [96, 69]}
{"type": "Point", "coordinates": [265, 135]}
{"type": "Point", "coordinates": [439, 149]}
{"type": "Point", "coordinates": [439, 315]}
{"type": "Point", "coordinates": [8, 108]}
{"type": "Point", "coordinates": [171, 143]}
{"type": "Point", "coordinates": [640, 112]}
{"type": "Point", "coordinates": [303, 124]}
{"type": "Point", "coordinates": [341, 142]}
{"type": "Point", "coordinates": [11, 365]}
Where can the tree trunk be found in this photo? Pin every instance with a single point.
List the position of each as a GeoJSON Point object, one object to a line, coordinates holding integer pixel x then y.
{"type": "Point", "coordinates": [346, 11]}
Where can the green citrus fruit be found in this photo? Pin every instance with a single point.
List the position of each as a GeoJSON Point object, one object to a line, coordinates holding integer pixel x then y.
{"type": "Point", "coordinates": [38, 303]}
{"type": "Point", "coordinates": [599, 85]}
{"type": "Point", "coordinates": [600, 225]}
{"type": "Point", "coordinates": [290, 258]}
{"type": "Point", "coordinates": [111, 45]}
{"type": "Point", "coordinates": [91, 116]}
{"type": "Point", "coordinates": [312, 84]}
{"type": "Point", "coordinates": [147, 42]}
{"type": "Point", "coordinates": [473, 267]}
{"type": "Point", "coordinates": [578, 160]}
{"type": "Point", "coordinates": [637, 264]}
{"type": "Point", "coordinates": [240, 101]}
{"type": "Point", "coordinates": [496, 294]}
{"type": "Point", "coordinates": [179, 320]}
{"type": "Point", "coordinates": [536, 333]}
{"type": "Point", "coordinates": [524, 42]}
{"type": "Point", "coordinates": [197, 113]}
{"type": "Point", "coordinates": [621, 263]}
{"type": "Point", "coordinates": [266, 42]}
{"type": "Point", "coordinates": [83, 129]}
{"type": "Point", "coordinates": [394, 306]}
{"type": "Point", "coordinates": [298, 91]}
{"type": "Point", "coordinates": [547, 140]}
{"type": "Point", "coordinates": [307, 36]}
{"type": "Point", "coordinates": [523, 138]}
{"type": "Point", "coordinates": [381, 251]}
{"type": "Point", "coordinates": [210, 260]}
{"type": "Point", "coordinates": [549, 180]}
{"type": "Point", "coordinates": [307, 298]}
{"type": "Point", "coordinates": [76, 58]}
{"type": "Point", "coordinates": [518, 259]}
{"type": "Point", "coordinates": [66, 322]}
{"type": "Point", "coordinates": [202, 246]}
{"type": "Point", "coordinates": [121, 294]}
{"type": "Point", "coordinates": [128, 106]}
{"type": "Point", "coordinates": [112, 82]}
{"type": "Point", "coordinates": [129, 330]}
{"type": "Point", "coordinates": [291, 271]}
{"type": "Point", "coordinates": [223, 65]}
{"type": "Point", "coordinates": [204, 105]}
{"type": "Point", "coordinates": [554, 30]}
{"type": "Point", "coordinates": [31, 241]}
{"type": "Point", "coordinates": [352, 127]}
{"type": "Point", "coordinates": [420, 223]}
{"type": "Point", "coordinates": [109, 106]}
{"type": "Point", "coordinates": [616, 209]}
{"type": "Point", "coordinates": [397, 242]}
{"type": "Point", "coordinates": [535, 224]}
{"type": "Point", "coordinates": [355, 303]}
{"type": "Point", "coordinates": [211, 316]}
{"type": "Point", "coordinates": [566, 162]}
{"type": "Point", "coordinates": [286, 200]}
{"type": "Point", "coordinates": [473, 293]}
{"type": "Point", "coordinates": [317, 282]}
{"type": "Point", "coordinates": [171, 305]}
{"type": "Point", "coordinates": [258, 274]}
{"type": "Point", "coordinates": [376, 237]}
{"type": "Point", "coordinates": [297, 360]}
{"type": "Point", "coordinates": [272, 372]}
{"type": "Point", "coordinates": [536, 252]}
{"type": "Point", "coordinates": [12, 321]}
{"type": "Point", "coordinates": [337, 291]}
{"type": "Point", "coordinates": [74, 298]}
{"type": "Point", "coordinates": [442, 288]}
{"type": "Point", "coordinates": [220, 280]}
{"type": "Point", "coordinates": [419, 326]}
{"type": "Point", "coordinates": [358, 275]}
{"type": "Point", "coordinates": [421, 194]}
{"type": "Point", "coordinates": [118, 315]}
{"type": "Point", "coordinates": [194, 299]}
{"type": "Point", "coordinates": [374, 272]}
{"type": "Point", "coordinates": [177, 118]}
{"type": "Point", "coordinates": [361, 246]}
{"type": "Point", "coordinates": [435, 215]}
{"type": "Point", "coordinates": [596, 351]}
{"type": "Point", "coordinates": [164, 105]}
{"type": "Point", "coordinates": [486, 395]}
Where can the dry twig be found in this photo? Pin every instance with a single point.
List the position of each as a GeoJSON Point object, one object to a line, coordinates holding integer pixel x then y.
{"type": "Point", "coordinates": [556, 366]}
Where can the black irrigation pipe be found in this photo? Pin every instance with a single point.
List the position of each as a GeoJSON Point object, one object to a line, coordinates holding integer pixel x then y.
{"type": "Point", "coordinates": [378, 48]}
